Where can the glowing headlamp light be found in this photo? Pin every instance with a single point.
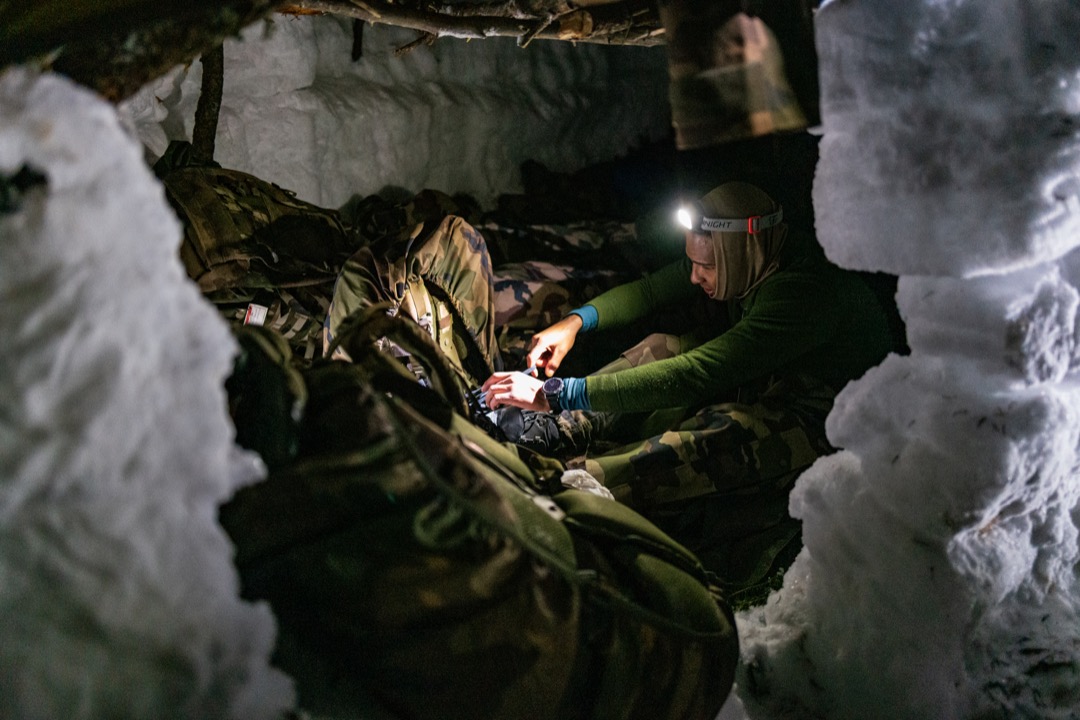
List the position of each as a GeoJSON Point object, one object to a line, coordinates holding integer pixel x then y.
{"type": "Point", "coordinates": [692, 218]}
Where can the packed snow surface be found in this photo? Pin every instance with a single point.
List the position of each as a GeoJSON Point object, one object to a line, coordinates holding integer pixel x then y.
{"type": "Point", "coordinates": [950, 143]}
{"type": "Point", "coordinates": [939, 578]}
{"type": "Point", "coordinates": [455, 116]}
{"type": "Point", "coordinates": [118, 597]}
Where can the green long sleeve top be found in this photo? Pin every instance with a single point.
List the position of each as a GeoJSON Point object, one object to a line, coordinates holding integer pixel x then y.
{"type": "Point", "coordinates": [807, 317]}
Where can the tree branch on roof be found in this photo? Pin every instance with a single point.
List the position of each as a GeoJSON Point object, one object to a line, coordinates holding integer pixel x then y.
{"type": "Point", "coordinates": [522, 10]}
{"type": "Point", "coordinates": [423, 39]}
{"type": "Point", "coordinates": [629, 22]}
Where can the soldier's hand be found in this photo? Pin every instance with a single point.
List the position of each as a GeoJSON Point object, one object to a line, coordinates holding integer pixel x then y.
{"type": "Point", "coordinates": [548, 347]}
{"type": "Point", "coordinates": [517, 389]}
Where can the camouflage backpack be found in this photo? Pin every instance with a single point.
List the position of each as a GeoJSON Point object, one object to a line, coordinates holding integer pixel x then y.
{"type": "Point", "coordinates": [255, 250]}
{"type": "Point", "coordinates": [419, 569]}
{"type": "Point", "coordinates": [437, 274]}
{"type": "Point", "coordinates": [240, 231]}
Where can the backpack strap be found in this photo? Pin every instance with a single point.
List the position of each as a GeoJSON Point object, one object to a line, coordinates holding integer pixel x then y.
{"type": "Point", "coordinates": [362, 329]}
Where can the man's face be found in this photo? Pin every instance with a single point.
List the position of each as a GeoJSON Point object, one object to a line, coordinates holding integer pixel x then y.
{"type": "Point", "coordinates": [699, 249]}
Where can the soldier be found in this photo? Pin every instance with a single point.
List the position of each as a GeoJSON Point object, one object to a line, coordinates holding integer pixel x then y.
{"type": "Point", "coordinates": [736, 404]}
{"type": "Point", "coordinates": [703, 427]}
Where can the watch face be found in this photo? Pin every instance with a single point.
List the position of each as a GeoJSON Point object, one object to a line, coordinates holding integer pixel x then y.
{"type": "Point", "coordinates": [552, 386]}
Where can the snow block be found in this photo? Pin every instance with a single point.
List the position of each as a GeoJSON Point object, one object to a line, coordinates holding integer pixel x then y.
{"type": "Point", "coordinates": [119, 598]}
{"type": "Point", "coordinates": [928, 110]}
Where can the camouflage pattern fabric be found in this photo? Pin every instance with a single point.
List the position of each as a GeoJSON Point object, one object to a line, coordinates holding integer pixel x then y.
{"type": "Point", "coordinates": [243, 232]}
{"type": "Point", "coordinates": [266, 395]}
{"type": "Point", "coordinates": [544, 274]}
{"type": "Point", "coordinates": [722, 448]}
{"type": "Point", "coordinates": [532, 295]}
{"type": "Point", "coordinates": [727, 75]}
{"type": "Point", "coordinates": [597, 433]}
{"type": "Point", "coordinates": [440, 277]}
{"type": "Point", "coordinates": [455, 277]}
{"type": "Point", "coordinates": [564, 243]}
{"type": "Point", "coordinates": [657, 346]}
{"type": "Point", "coordinates": [297, 314]}
{"type": "Point", "coordinates": [374, 218]}
{"type": "Point", "coordinates": [248, 242]}
{"type": "Point", "coordinates": [718, 481]}
{"type": "Point", "coordinates": [416, 571]}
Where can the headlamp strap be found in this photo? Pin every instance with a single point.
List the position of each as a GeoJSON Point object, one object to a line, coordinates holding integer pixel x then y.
{"type": "Point", "coordinates": [752, 224]}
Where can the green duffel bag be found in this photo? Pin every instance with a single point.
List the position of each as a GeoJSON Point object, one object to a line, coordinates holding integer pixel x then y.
{"type": "Point", "coordinates": [419, 569]}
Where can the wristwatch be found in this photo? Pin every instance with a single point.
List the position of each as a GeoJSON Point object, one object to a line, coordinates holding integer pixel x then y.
{"type": "Point", "coordinates": [552, 388]}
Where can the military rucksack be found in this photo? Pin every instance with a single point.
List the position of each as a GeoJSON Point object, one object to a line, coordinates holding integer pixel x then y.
{"type": "Point", "coordinates": [419, 569]}
{"type": "Point", "coordinates": [439, 275]}
{"type": "Point", "coordinates": [258, 252]}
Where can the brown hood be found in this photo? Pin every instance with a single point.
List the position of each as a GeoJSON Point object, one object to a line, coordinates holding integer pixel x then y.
{"type": "Point", "coordinates": [743, 259]}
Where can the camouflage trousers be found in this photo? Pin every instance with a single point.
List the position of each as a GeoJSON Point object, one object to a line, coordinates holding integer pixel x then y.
{"type": "Point", "coordinates": [718, 478]}
{"type": "Point", "coordinates": [719, 448]}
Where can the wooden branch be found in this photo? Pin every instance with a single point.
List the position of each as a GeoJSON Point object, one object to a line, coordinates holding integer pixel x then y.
{"type": "Point", "coordinates": [631, 22]}
{"type": "Point", "coordinates": [424, 39]}
{"type": "Point", "coordinates": [538, 28]}
{"type": "Point", "coordinates": [204, 134]}
{"type": "Point", "coordinates": [506, 8]}
{"type": "Point", "coordinates": [117, 46]}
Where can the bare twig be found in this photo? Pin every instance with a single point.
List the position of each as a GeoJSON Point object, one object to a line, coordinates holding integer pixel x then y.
{"type": "Point", "coordinates": [540, 27]}
{"type": "Point", "coordinates": [424, 39]}
{"type": "Point", "coordinates": [631, 22]}
{"type": "Point", "coordinates": [519, 9]}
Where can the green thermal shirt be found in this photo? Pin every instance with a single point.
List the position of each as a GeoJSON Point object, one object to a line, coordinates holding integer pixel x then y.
{"type": "Point", "coordinates": [807, 317]}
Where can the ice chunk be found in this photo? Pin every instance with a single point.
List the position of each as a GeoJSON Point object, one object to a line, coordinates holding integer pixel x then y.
{"type": "Point", "coordinates": [939, 573]}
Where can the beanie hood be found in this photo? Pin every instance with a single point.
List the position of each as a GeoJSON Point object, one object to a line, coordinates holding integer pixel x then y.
{"type": "Point", "coordinates": [743, 259]}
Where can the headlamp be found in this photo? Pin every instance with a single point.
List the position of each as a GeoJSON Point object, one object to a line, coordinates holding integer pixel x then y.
{"type": "Point", "coordinates": [693, 218]}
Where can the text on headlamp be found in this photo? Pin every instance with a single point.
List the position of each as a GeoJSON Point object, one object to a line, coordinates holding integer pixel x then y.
{"type": "Point", "coordinates": [752, 224]}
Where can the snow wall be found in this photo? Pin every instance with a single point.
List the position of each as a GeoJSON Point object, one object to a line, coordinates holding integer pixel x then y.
{"type": "Point", "coordinates": [457, 116]}
{"type": "Point", "coordinates": [118, 597]}
{"type": "Point", "coordinates": [939, 575]}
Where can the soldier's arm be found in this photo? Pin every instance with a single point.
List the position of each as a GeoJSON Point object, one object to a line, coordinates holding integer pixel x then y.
{"type": "Point", "coordinates": [790, 317]}
{"type": "Point", "coordinates": [629, 303]}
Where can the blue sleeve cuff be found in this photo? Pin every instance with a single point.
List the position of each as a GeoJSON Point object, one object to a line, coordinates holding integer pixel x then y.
{"type": "Point", "coordinates": [574, 395]}
{"type": "Point", "coordinates": [589, 317]}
